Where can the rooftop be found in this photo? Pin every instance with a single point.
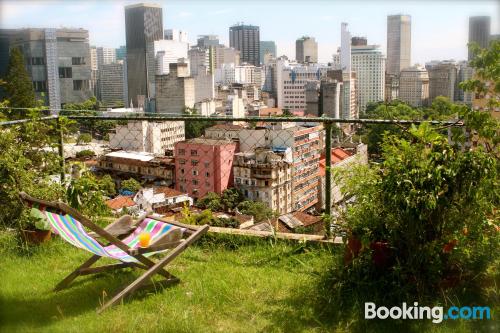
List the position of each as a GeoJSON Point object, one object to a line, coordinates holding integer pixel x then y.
{"type": "Point", "coordinates": [141, 156]}
{"type": "Point", "coordinates": [169, 192]}
{"type": "Point", "coordinates": [120, 201]}
{"type": "Point", "coordinates": [209, 142]}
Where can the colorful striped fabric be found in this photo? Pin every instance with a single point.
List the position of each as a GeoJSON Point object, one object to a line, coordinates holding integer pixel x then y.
{"type": "Point", "coordinates": [72, 231]}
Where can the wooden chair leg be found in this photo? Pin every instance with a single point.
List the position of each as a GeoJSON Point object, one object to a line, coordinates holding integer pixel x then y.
{"type": "Point", "coordinates": [68, 279]}
{"type": "Point", "coordinates": [157, 268]}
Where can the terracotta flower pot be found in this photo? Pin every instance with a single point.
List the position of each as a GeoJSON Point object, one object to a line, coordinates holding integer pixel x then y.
{"type": "Point", "coordinates": [36, 236]}
{"type": "Point", "coordinates": [352, 250]}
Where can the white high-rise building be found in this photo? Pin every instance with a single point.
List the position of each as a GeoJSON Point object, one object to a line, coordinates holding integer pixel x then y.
{"type": "Point", "coordinates": [229, 73]}
{"type": "Point", "coordinates": [291, 79]}
{"type": "Point", "coordinates": [398, 43]}
{"type": "Point", "coordinates": [169, 52]}
{"type": "Point", "coordinates": [345, 48]}
{"type": "Point", "coordinates": [369, 64]}
{"type": "Point", "coordinates": [105, 56]}
{"type": "Point", "coordinates": [177, 35]}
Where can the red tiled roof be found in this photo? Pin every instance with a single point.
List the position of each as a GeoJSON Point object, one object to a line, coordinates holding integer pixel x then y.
{"type": "Point", "coordinates": [306, 219]}
{"type": "Point", "coordinates": [169, 192]}
{"type": "Point", "coordinates": [120, 201]}
{"type": "Point", "coordinates": [270, 112]}
{"type": "Point", "coordinates": [338, 154]}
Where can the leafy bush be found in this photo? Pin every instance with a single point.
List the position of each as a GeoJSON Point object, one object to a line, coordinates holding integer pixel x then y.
{"type": "Point", "coordinates": [84, 138]}
{"type": "Point", "coordinates": [131, 185]}
{"type": "Point", "coordinates": [432, 206]}
{"type": "Point", "coordinates": [85, 153]}
{"type": "Point", "coordinates": [259, 210]}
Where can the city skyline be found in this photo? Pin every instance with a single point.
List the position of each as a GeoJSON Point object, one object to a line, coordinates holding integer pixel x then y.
{"type": "Point", "coordinates": [445, 37]}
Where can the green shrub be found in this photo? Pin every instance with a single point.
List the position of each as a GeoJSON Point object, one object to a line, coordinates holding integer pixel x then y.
{"type": "Point", "coordinates": [85, 153]}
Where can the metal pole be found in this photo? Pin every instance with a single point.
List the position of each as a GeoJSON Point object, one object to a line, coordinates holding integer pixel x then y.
{"type": "Point", "coordinates": [328, 177]}
{"type": "Point", "coordinates": [60, 148]}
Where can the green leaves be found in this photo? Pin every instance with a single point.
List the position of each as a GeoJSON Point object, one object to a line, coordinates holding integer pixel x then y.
{"type": "Point", "coordinates": [18, 82]}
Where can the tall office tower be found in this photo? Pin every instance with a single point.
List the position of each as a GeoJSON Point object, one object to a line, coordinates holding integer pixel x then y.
{"type": "Point", "coordinates": [465, 72]}
{"type": "Point", "coordinates": [414, 86]}
{"type": "Point", "coordinates": [176, 34]}
{"type": "Point", "coordinates": [112, 84]}
{"type": "Point", "coordinates": [143, 26]}
{"type": "Point", "coordinates": [94, 75]}
{"type": "Point", "coordinates": [267, 47]}
{"type": "Point", "coordinates": [57, 60]}
{"type": "Point", "coordinates": [246, 39]}
{"type": "Point", "coordinates": [306, 50]}
{"type": "Point", "coordinates": [359, 41]}
{"type": "Point", "coordinates": [479, 31]}
{"type": "Point", "coordinates": [105, 55]}
{"type": "Point", "coordinates": [398, 43]}
{"type": "Point", "coordinates": [345, 48]}
{"type": "Point", "coordinates": [207, 40]}
{"type": "Point", "coordinates": [443, 80]}
{"type": "Point", "coordinates": [121, 52]}
{"type": "Point", "coordinates": [198, 58]}
{"type": "Point", "coordinates": [369, 64]}
{"type": "Point", "coordinates": [175, 91]}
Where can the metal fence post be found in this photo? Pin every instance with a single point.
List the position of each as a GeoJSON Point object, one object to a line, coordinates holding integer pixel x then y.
{"type": "Point", "coordinates": [328, 177]}
{"type": "Point", "coordinates": [60, 148]}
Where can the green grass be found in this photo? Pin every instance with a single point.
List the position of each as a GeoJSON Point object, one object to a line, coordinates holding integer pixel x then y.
{"type": "Point", "coordinates": [227, 284]}
{"type": "Point", "coordinates": [223, 288]}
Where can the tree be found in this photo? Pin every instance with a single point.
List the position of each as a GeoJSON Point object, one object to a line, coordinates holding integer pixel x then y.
{"type": "Point", "coordinates": [210, 201]}
{"type": "Point", "coordinates": [131, 185]}
{"type": "Point", "coordinates": [231, 197]}
{"type": "Point", "coordinates": [259, 210]}
{"type": "Point", "coordinates": [85, 153]}
{"type": "Point", "coordinates": [195, 128]}
{"type": "Point", "coordinates": [19, 87]}
{"type": "Point", "coordinates": [107, 186]}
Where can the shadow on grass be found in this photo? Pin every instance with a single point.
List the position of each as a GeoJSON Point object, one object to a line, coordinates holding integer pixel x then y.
{"type": "Point", "coordinates": [84, 295]}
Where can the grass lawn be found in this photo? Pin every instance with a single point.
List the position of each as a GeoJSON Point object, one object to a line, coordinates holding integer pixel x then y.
{"type": "Point", "coordinates": [226, 286]}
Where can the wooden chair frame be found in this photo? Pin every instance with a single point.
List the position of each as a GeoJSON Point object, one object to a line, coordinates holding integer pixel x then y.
{"type": "Point", "coordinates": [122, 227]}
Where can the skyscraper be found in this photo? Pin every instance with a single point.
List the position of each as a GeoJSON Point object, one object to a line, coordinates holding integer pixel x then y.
{"type": "Point", "coordinates": [479, 31]}
{"type": "Point", "coordinates": [105, 55]}
{"type": "Point", "coordinates": [398, 43]}
{"type": "Point", "coordinates": [267, 47]}
{"type": "Point", "coordinates": [414, 86]}
{"type": "Point", "coordinates": [246, 39]}
{"type": "Point", "coordinates": [306, 50]}
{"type": "Point", "coordinates": [143, 26]}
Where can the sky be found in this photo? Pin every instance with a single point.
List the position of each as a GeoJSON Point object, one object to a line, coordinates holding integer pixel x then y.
{"type": "Point", "coordinates": [439, 28]}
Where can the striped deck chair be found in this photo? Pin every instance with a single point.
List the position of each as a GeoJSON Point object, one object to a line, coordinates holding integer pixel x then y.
{"type": "Point", "coordinates": [120, 241]}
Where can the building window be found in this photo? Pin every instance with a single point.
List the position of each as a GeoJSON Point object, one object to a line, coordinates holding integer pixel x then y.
{"type": "Point", "coordinates": [207, 184]}
{"type": "Point", "coordinates": [182, 152]}
{"type": "Point", "coordinates": [195, 182]}
{"type": "Point", "coordinates": [40, 86]}
{"type": "Point", "coordinates": [78, 61]}
{"type": "Point", "coordinates": [194, 152]}
{"type": "Point", "coordinates": [195, 173]}
{"type": "Point", "coordinates": [182, 171]}
{"type": "Point", "coordinates": [207, 174]}
{"type": "Point", "coordinates": [80, 84]}
{"type": "Point", "coordinates": [37, 61]}
{"type": "Point", "coordinates": [207, 164]}
{"type": "Point", "coordinates": [194, 162]}
{"type": "Point", "coordinates": [65, 72]}
{"type": "Point", "coordinates": [182, 162]}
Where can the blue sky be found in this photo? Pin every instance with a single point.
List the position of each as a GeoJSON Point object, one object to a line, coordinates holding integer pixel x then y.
{"type": "Point", "coordinates": [439, 28]}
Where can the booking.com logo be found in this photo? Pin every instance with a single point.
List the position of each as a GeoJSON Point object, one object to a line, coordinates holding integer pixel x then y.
{"type": "Point", "coordinates": [435, 313]}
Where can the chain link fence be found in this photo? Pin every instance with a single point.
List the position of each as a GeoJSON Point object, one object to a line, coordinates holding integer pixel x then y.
{"type": "Point", "coordinates": [246, 171]}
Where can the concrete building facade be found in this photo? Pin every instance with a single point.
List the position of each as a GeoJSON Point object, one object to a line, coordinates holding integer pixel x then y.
{"type": "Point", "coordinates": [169, 52]}
{"type": "Point", "coordinates": [175, 91]}
{"type": "Point", "coordinates": [113, 84]}
{"type": "Point", "coordinates": [246, 39]}
{"type": "Point", "coordinates": [57, 60]}
{"type": "Point", "coordinates": [204, 165]}
{"type": "Point", "coordinates": [265, 175]}
{"type": "Point", "coordinates": [105, 55]}
{"type": "Point", "coordinates": [479, 32]}
{"type": "Point", "coordinates": [143, 26]}
{"type": "Point", "coordinates": [398, 43]}
{"type": "Point", "coordinates": [306, 50]}
{"type": "Point", "coordinates": [443, 81]}
{"type": "Point", "coordinates": [414, 86]}
{"type": "Point", "coordinates": [153, 137]}
{"type": "Point", "coordinates": [267, 47]}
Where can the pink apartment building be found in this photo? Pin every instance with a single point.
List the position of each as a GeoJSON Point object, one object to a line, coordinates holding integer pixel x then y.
{"type": "Point", "coordinates": [204, 165]}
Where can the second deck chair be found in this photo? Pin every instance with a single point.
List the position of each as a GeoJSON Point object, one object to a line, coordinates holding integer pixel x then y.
{"type": "Point", "coordinates": [122, 237]}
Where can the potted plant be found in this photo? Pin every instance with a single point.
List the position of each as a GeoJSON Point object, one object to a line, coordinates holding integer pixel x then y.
{"type": "Point", "coordinates": [37, 229]}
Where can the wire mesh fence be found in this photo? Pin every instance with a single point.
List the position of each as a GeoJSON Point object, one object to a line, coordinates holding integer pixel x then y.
{"type": "Point", "coordinates": [226, 165]}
